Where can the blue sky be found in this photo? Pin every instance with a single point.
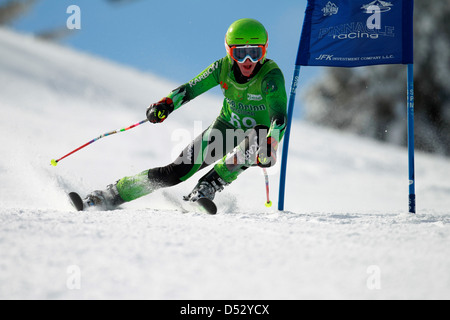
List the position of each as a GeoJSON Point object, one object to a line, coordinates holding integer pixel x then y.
{"type": "Point", "coordinates": [173, 39]}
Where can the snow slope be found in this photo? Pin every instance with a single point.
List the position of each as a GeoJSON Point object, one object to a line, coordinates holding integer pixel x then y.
{"type": "Point", "coordinates": [346, 233]}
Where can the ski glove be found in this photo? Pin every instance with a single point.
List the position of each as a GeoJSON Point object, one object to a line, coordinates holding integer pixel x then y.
{"type": "Point", "coordinates": [158, 112]}
{"type": "Point", "coordinates": [267, 154]}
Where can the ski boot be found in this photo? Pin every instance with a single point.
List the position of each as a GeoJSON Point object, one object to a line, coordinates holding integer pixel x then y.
{"type": "Point", "coordinates": [108, 199]}
{"type": "Point", "coordinates": [204, 192]}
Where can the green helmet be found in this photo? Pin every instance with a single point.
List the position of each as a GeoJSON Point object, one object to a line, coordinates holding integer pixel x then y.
{"type": "Point", "coordinates": [246, 32]}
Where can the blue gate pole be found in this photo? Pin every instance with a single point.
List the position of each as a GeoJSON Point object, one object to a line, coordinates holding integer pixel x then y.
{"type": "Point", "coordinates": [410, 116]}
{"type": "Point", "coordinates": [287, 133]}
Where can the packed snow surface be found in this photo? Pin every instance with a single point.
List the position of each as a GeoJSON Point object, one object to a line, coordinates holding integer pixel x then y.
{"type": "Point", "coordinates": [346, 232]}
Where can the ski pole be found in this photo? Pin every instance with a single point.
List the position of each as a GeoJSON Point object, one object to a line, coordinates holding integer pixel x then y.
{"type": "Point", "coordinates": [266, 178]}
{"type": "Point", "coordinates": [55, 162]}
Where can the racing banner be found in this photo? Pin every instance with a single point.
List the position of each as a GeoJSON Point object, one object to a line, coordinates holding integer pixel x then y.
{"type": "Point", "coordinates": [353, 33]}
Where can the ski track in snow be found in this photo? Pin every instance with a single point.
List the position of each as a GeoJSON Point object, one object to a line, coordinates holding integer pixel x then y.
{"type": "Point", "coordinates": [345, 225]}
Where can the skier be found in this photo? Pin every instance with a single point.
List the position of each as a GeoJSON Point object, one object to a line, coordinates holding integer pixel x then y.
{"type": "Point", "coordinates": [249, 127]}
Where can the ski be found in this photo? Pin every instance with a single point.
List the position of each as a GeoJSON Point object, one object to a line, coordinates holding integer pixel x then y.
{"type": "Point", "coordinates": [204, 204]}
{"type": "Point", "coordinates": [76, 201]}
{"type": "Point", "coordinates": [208, 205]}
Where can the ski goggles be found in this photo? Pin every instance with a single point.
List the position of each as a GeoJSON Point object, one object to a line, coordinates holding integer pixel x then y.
{"type": "Point", "coordinates": [241, 53]}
